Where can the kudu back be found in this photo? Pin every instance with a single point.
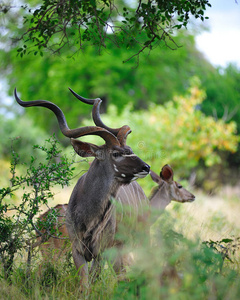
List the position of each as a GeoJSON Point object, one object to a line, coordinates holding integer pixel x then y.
{"type": "Point", "coordinates": [53, 245]}
{"type": "Point", "coordinates": [90, 217]}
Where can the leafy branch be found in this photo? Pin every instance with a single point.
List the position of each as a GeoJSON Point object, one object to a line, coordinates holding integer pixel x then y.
{"type": "Point", "coordinates": [56, 24]}
{"type": "Point", "coordinates": [18, 220]}
{"type": "Point", "coordinates": [226, 247]}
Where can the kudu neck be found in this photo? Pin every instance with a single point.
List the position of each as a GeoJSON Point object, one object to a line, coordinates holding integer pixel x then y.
{"type": "Point", "coordinates": [101, 173]}
{"type": "Point", "coordinates": [160, 198]}
{"type": "Point", "coordinates": [93, 193]}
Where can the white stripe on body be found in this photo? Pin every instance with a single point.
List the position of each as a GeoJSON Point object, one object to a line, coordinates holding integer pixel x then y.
{"type": "Point", "coordinates": [133, 196]}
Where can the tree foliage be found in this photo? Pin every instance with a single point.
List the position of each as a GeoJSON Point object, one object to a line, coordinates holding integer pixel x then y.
{"type": "Point", "coordinates": [23, 134]}
{"type": "Point", "coordinates": [156, 80]}
{"type": "Point", "coordinates": [55, 24]}
{"type": "Point", "coordinates": [223, 94]}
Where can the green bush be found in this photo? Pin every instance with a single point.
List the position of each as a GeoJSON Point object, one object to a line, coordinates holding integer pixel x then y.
{"type": "Point", "coordinates": [18, 222]}
{"type": "Point", "coordinates": [176, 133]}
{"type": "Point", "coordinates": [15, 129]}
{"type": "Point", "coordinates": [171, 266]}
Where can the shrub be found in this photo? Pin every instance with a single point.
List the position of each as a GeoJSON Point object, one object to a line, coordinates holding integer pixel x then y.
{"type": "Point", "coordinates": [18, 222]}
{"type": "Point", "coordinates": [177, 133]}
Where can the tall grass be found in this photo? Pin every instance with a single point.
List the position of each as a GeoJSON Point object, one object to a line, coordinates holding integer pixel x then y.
{"type": "Point", "coordinates": [172, 263]}
{"type": "Point", "coordinates": [192, 251]}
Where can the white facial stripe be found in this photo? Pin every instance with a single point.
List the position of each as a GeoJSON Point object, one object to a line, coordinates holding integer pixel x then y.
{"type": "Point", "coordinates": [129, 155]}
{"type": "Point", "coordinates": [141, 174]}
{"type": "Point", "coordinates": [115, 168]}
{"type": "Point", "coordinates": [134, 178]}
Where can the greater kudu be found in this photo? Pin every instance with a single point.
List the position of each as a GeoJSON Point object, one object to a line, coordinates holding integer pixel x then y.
{"type": "Point", "coordinates": [90, 217]}
{"type": "Point", "coordinates": [133, 196]}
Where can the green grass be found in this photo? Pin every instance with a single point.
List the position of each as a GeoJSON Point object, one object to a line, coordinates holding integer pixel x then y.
{"type": "Point", "coordinates": [176, 241]}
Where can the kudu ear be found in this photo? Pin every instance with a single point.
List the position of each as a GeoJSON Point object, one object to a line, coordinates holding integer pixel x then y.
{"type": "Point", "coordinates": [167, 173]}
{"type": "Point", "coordinates": [155, 177]}
{"type": "Point", "coordinates": [85, 149]}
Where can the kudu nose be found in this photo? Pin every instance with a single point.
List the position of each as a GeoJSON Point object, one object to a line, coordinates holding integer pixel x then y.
{"type": "Point", "coordinates": [146, 168]}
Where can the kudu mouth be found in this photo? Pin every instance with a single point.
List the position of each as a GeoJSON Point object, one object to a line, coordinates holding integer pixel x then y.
{"type": "Point", "coordinates": [192, 199]}
{"type": "Point", "coordinates": [141, 174]}
{"type": "Point", "coordinates": [144, 172]}
{"type": "Point", "coordinates": [127, 178]}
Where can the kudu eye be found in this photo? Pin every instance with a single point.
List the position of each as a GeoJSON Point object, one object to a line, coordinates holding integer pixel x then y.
{"type": "Point", "coordinates": [116, 154]}
{"type": "Point", "coordinates": [179, 186]}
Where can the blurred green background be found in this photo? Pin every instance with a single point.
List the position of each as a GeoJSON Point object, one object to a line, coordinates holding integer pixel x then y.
{"type": "Point", "coordinates": [182, 110]}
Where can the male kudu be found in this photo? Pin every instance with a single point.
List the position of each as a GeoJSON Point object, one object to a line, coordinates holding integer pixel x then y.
{"type": "Point", "coordinates": [90, 216]}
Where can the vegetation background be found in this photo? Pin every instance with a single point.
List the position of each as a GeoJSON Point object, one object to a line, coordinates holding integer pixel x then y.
{"type": "Point", "coordinates": [182, 111]}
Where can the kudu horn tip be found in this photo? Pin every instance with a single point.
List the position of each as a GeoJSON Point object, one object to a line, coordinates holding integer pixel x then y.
{"type": "Point", "coordinates": [16, 96]}
{"type": "Point", "coordinates": [84, 100]}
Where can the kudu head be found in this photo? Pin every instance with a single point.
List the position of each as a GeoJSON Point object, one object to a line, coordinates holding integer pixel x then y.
{"type": "Point", "coordinates": [117, 156]}
{"type": "Point", "coordinates": [169, 188]}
